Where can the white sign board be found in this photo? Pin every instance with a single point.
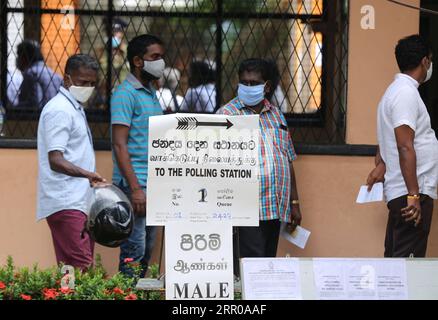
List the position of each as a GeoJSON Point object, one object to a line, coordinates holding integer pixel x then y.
{"type": "Point", "coordinates": [270, 279]}
{"type": "Point", "coordinates": [199, 261]}
{"type": "Point", "coordinates": [357, 279]}
{"type": "Point", "coordinates": [203, 168]}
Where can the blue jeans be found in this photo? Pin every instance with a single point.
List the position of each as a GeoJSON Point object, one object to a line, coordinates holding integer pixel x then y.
{"type": "Point", "coordinates": [140, 243]}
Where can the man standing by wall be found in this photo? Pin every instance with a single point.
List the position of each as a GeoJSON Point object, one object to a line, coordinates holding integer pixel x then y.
{"type": "Point", "coordinates": [278, 190]}
{"type": "Point", "coordinates": [67, 163]}
{"type": "Point", "coordinates": [132, 103]}
{"type": "Point", "coordinates": [408, 152]}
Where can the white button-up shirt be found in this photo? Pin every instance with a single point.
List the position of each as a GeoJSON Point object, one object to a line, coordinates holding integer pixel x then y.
{"type": "Point", "coordinates": [402, 105]}
{"type": "Point", "coordinates": [63, 127]}
{"type": "Point", "coordinates": [200, 99]}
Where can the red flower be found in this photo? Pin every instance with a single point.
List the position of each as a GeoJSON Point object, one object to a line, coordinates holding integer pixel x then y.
{"type": "Point", "coordinates": [118, 291]}
{"type": "Point", "coordinates": [50, 294]}
{"type": "Point", "coordinates": [2, 286]}
{"type": "Point", "coordinates": [66, 290]}
{"type": "Point", "coordinates": [127, 260]}
{"type": "Point", "coordinates": [26, 297]}
{"type": "Point", "coordinates": [131, 296]}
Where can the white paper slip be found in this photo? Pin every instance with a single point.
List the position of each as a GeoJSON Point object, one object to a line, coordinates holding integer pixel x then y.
{"type": "Point", "coordinates": [299, 237]}
{"type": "Point", "coordinates": [376, 193]}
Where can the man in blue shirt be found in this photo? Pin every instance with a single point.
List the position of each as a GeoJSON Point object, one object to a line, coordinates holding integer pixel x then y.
{"type": "Point", "coordinates": [132, 103]}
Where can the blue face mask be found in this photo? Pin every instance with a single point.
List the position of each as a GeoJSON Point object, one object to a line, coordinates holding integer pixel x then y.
{"type": "Point", "coordinates": [115, 42]}
{"type": "Point", "coordinates": [251, 95]}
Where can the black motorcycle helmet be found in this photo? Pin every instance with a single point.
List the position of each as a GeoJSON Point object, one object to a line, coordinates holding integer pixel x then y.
{"type": "Point", "coordinates": [110, 218]}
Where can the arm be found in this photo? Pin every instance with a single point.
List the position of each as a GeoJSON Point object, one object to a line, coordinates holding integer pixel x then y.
{"type": "Point", "coordinates": [59, 164]}
{"type": "Point", "coordinates": [378, 159]}
{"type": "Point", "coordinates": [378, 173]}
{"type": "Point", "coordinates": [404, 136]}
{"type": "Point", "coordinates": [120, 147]}
{"type": "Point", "coordinates": [295, 205]}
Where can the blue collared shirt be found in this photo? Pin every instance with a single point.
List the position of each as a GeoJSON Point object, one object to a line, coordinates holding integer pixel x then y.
{"type": "Point", "coordinates": [63, 127]}
{"type": "Point", "coordinates": [131, 105]}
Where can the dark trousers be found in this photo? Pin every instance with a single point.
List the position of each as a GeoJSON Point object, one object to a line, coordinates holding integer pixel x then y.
{"type": "Point", "coordinates": [255, 242]}
{"type": "Point", "coordinates": [403, 239]}
{"type": "Point", "coordinates": [140, 244]}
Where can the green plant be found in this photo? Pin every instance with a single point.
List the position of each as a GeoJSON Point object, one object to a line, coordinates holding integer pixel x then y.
{"type": "Point", "coordinates": [154, 271]}
{"type": "Point", "coordinates": [94, 284]}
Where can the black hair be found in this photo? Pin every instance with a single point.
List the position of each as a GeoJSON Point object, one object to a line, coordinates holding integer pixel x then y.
{"type": "Point", "coordinates": [30, 50]}
{"type": "Point", "coordinates": [201, 73]}
{"type": "Point", "coordinates": [117, 23]}
{"type": "Point", "coordinates": [80, 60]}
{"type": "Point", "coordinates": [260, 66]}
{"type": "Point", "coordinates": [410, 51]}
{"type": "Point", "coordinates": [138, 46]}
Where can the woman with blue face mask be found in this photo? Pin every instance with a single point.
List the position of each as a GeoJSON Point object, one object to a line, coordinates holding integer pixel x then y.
{"type": "Point", "coordinates": [278, 195]}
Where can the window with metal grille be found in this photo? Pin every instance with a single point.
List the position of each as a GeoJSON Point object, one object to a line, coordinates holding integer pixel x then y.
{"type": "Point", "coordinates": [205, 42]}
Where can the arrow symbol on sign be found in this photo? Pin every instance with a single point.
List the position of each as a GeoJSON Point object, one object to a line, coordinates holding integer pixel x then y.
{"type": "Point", "coordinates": [190, 123]}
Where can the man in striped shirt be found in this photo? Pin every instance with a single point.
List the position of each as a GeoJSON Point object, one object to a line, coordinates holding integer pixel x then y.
{"type": "Point", "coordinates": [132, 103]}
{"type": "Point", "coordinates": [278, 191]}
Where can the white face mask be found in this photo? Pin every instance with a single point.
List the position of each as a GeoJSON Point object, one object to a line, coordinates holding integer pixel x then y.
{"type": "Point", "coordinates": [155, 68]}
{"type": "Point", "coordinates": [81, 94]}
{"type": "Point", "coordinates": [429, 72]}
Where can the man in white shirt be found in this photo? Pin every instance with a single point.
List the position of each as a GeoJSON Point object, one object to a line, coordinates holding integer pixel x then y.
{"type": "Point", "coordinates": [66, 163]}
{"type": "Point", "coordinates": [407, 160]}
{"type": "Point", "coordinates": [166, 94]}
{"type": "Point", "coordinates": [201, 96]}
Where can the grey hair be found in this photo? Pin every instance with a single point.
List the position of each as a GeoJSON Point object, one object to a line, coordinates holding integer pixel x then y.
{"type": "Point", "coordinates": [80, 60]}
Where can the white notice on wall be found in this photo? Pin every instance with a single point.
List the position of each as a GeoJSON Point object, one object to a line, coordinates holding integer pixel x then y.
{"type": "Point", "coordinates": [270, 279]}
{"type": "Point", "coordinates": [360, 279]}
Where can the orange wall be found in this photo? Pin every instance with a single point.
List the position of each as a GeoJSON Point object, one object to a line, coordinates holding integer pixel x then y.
{"type": "Point", "coordinates": [20, 235]}
{"type": "Point", "coordinates": [58, 43]}
{"type": "Point", "coordinates": [327, 185]}
{"type": "Point", "coordinates": [328, 188]}
{"type": "Point", "coordinates": [371, 64]}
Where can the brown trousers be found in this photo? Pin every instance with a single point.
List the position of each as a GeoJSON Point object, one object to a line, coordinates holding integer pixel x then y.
{"type": "Point", "coordinates": [403, 239]}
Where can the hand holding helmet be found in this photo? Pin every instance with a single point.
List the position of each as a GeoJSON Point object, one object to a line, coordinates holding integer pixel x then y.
{"type": "Point", "coordinates": [110, 218]}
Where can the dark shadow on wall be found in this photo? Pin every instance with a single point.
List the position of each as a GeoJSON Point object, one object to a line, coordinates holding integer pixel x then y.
{"type": "Point", "coordinates": [429, 30]}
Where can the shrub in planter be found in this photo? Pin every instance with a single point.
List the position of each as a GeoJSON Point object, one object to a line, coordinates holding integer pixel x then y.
{"type": "Point", "coordinates": [94, 284]}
